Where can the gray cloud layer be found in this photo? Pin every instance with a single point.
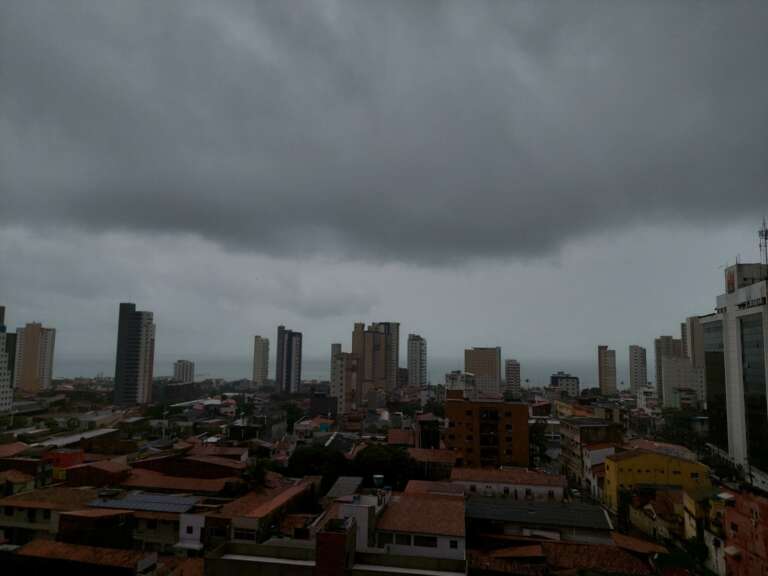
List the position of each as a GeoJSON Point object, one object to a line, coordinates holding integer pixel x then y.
{"type": "Point", "coordinates": [407, 131]}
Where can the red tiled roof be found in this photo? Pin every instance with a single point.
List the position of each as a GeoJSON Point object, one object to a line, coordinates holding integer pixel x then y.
{"type": "Point", "coordinates": [398, 436]}
{"type": "Point", "coordinates": [96, 513]}
{"type": "Point", "coordinates": [428, 487]}
{"type": "Point", "coordinates": [149, 479]}
{"type": "Point", "coordinates": [661, 447]}
{"type": "Point", "coordinates": [519, 476]}
{"type": "Point", "coordinates": [424, 514]}
{"type": "Point", "coordinates": [80, 553]}
{"type": "Point", "coordinates": [109, 466]}
{"type": "Point", "coordinates": [637, 545]}
{"type": "Point", "coordinates": [259, 503]}
{"type": "Point", "coordinates": [218, 461]}
{"type": "Point", "coordinates": [529, 551]}
{"type": "Point", "coordinates": [605, 558]}
{"type": "Point", "coordinates": [12, 449]}
{"type": "Point", "coordinates": [55, 498]}
{"type": "Point", "coordinates": [432, 455]}
{"type": "Point", "coordinates": [190, 567]}
{"type": "Point", "coordinates": [15, 477]}
{"type": "Point", "coordinates": [222, 451]}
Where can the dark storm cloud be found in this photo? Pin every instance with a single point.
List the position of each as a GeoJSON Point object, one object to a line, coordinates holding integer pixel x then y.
{"type": "Point", "coordinates": [414, 131]}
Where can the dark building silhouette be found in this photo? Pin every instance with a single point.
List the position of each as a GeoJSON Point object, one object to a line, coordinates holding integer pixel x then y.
{"type": "Point", "coordinates": [288, 369]}
{"type": "Point", "coordinates": [134, 364]}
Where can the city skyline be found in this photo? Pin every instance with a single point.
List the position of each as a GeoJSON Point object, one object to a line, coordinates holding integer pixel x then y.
{"type": "Point", "coordinates": [557, 209]}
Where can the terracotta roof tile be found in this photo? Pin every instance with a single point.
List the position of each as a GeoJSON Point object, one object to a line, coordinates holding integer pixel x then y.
{"type": "Point", "coordinates": [400, 437]}
{"type": "Point", "coordinates": [260, 503]}
{"type": "Point", "coordinates": [637, 545]}
{"type": "Point", "coordinates": [520, 476]}
{"type": "Point", "coordinates": [12, 449]}
{"type": "Point", "coordinates": [80, 553]}
{"type": "Point", "coordinates": [55, 498]}
{"type": "Point", "coordinates": [15, 477]}
{"type": "Point", "coordinates": [433, 455]}
{"type": "Point", "coordinates": [427, 487]}
{"type": "Point", "coordinates": [424, 514]}
{"type": "Point", "coordinates": [149, 480]}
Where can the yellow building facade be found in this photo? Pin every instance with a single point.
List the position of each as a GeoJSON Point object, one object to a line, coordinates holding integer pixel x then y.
{"type": "Point", "coordinates": [626, 470]}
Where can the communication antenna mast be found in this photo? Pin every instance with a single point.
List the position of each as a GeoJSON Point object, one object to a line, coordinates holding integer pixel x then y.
{"type": "Point", "coordinates": [763, 234]}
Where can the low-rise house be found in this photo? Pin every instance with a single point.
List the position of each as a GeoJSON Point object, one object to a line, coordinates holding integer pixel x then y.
{"type": "Point", "coordinates": [99, 473]}
{"type": "Point", "coordinates": [658, 513]}
{"type": "Point", "coordinates": [30, 515]}
{"type": "Point", "coordinates": [577, 433]}
{"type": "Point", "coordinates": [566, 521]}
{"type": "Point", "coordinates": [625, 470]}
{"type": "Point", "coordinates": [514, 483]}
{"type": "Point", "coordinates": [14, 481]}
{"type": "Point", "coordinates": [433, 464]}
{"type": "Point", "coordinates": [593, 455]}
{"type": "Point", "coordinates": [746, 532]}
{"type": "Point", "coordinates": [423, 525]}
{"type": "Point", "coordinates": [48, 557]}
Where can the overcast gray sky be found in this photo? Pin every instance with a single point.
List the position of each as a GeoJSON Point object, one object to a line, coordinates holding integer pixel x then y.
{"type": "Point", "coordinates": [543, 176]}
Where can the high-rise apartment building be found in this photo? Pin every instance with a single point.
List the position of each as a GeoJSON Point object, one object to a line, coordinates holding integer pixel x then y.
{"type": "Point", "coordinates": [683, 383]}
{"type": "Point", "coordinates": [486, 433]}
{"type": "Point", "coordinates": [665, 347]}
{"type": "Point", "coordinates": [184, 371]}
{"type": "Point", "coordinates": [7, 361]}
{"type": "Point", "coordinates": [736, 369]}
{"type": "Point", "coordinates": [566, 383]}
{"type": "Point", "coordinates": [34, 357]}
{"type": "Point", "coordinates": [512, 378]}
{"type": "Point", "coordinates": [417, 360]}
{"type": "Point", "coordinates": [346, 382]}
{"type": "Point", "coordinates": [606, 370]}
{"type": "Point", "coordinates": [260, 360]}
{"type": "Point", "coordinates": [638, 369]}
{"type": "Point", "coordinates": [378, 350]}
{"type": "Point", "coordinates": [693, 346]}
{"type": "Point", "coordinates": [135, 359]}
{"type": "Point", "coordinates": [485, 364]}
{"type": "Point", "coordinates": [288, 369]}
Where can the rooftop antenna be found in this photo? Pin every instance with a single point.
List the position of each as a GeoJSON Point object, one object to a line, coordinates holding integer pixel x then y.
{"type": "Point", "coordinates": [763, 235]}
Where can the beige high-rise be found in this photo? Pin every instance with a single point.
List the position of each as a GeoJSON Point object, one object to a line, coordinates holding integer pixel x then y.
{"type": "Point", "coordinates": [638, 368]}
{"type": "Point", "coordinates": [485, 364]}
{"type": "Point", "coordinates": [260, 360]}
{"type": "Point", "coordinates": [378, 349]}
{"type": "Point", "coordinates": [665, 347]}
{"type": "Point", "coordinates": [34, 357]}
{"type": "Point", "coordinates": [606, 370]}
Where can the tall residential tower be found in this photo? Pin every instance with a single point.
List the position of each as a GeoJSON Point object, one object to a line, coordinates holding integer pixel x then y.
{"type": "Point", "coordinates": [638, 368]}
{"type": "Point", "coordinates": [135, 359]}
{"type": "Point", "coordinates": [260, 360]}
{"type": "Point", "coordinates": [288, 369]}
{"type": "Point", "coordinates": [34, 357]}
{"type": "Point", "coordinates": [606, 370]}
{"type": "Point", "coordinates": [417, 361]}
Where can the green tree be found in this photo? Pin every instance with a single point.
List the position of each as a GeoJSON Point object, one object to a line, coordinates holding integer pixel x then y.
{"type": "Point", "coordinates": [392, 462]}
{"type": "Point", "coordinates": [317, 461]}
{"type": "Point", "coordinates": [292, 414]}
{"type": "Point", "coordinates": [256, 472]}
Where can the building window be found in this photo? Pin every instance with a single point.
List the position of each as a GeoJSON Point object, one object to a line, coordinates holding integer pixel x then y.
{"type": "Point", "coordinates": [31, 515]}
{"type": "Point", "coordinates": [425, 541]}
{"type": "Point", "coordinates": [403, 539]}
{"type": "Point", "coordinates": [551, 494]}
{"type": "Point", "coordinates": [468, 413]}
{"type": "Point", "coordinates": [190, 529]}
{"type": "Point", "coordinates": [8, 511]}
{"type": "Point", "coordinates": [46, 514]}
{"type": "Point", "coordinates": [454, 544]}
{"type": "Point", "coordinates": [384, 539]}
{"type": "Point", "coordinates": [695, 475]}
{"type": "Point", "coordinates": [151, 524]}
{"type": "Point", "coordinates": [676, 472]}
{"type": "Point", "coordinates": [472, 488]}
{"type": "Point", "coordinates": [244, 534]}
{"type": "Point", "coordinates": [506, 490]}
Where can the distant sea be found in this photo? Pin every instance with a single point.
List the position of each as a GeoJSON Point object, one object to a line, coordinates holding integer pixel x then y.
{"type": "Point", "coordinates": [537, 372]}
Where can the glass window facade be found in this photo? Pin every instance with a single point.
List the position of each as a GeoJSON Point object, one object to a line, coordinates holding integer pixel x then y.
{"type": "Point", "coordinates": [753, 375]}
{"type": "Point", "coordinates": [714, 383]}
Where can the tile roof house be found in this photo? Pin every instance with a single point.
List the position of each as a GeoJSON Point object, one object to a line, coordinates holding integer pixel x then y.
{"type": "Point", "coordinates": [514, 483]}
{"type": "Point", "coordinates": [423, 525]}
